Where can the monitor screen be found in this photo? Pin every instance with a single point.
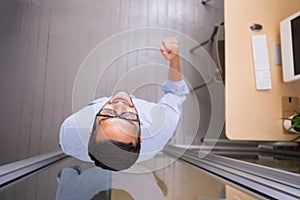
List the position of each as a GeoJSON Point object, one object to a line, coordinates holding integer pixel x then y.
{"type": "Point", "coordinates": [295, 26]}
{"type": "Point", "coordinates": [290, 47]}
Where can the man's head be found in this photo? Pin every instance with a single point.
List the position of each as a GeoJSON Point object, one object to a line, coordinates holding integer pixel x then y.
{"type": "Point", "coordinates": [115, 139]}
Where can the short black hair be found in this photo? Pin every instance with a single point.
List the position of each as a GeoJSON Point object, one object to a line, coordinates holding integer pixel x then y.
{"type": "Point", "coordinates": [113, 155]}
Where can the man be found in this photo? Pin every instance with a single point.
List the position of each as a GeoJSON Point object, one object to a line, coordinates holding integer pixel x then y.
{"type": "Point", "coordinates": [119, 131]}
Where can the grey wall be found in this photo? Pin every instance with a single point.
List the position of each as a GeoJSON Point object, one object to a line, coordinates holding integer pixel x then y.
{"type": "Point", "coordinates": [44, 42]}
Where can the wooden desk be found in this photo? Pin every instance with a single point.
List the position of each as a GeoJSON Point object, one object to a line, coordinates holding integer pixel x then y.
{"type": "Point", "coordinates": [252, 114]}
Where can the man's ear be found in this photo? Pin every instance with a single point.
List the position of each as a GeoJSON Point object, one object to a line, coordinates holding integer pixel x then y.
{"type": "Point", "coordinates": [90, 133]}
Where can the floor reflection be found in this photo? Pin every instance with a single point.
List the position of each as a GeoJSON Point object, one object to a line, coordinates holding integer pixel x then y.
{"type": "Point", "coordinates": [178, 180]}
{"type": "Point", "coordinates": [74, 184]}
{"type": "Point", "coordinates": [162, 177]}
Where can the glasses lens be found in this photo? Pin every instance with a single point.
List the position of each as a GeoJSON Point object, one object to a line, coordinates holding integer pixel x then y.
{"type": "Point", "coordinates": [108, 112]}
{"type": "Point", "coordinates": [129, 116]}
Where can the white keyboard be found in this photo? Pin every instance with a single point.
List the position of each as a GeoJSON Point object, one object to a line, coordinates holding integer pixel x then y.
{"type": "Point", "coordinates": [261, 62]}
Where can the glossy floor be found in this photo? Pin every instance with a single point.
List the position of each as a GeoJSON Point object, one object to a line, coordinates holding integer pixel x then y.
{"type": "Point", "coordinates": [163, 177]}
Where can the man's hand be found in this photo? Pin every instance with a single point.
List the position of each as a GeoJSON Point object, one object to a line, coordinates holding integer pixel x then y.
{"type": "Point", "coordinates": [170, 48]}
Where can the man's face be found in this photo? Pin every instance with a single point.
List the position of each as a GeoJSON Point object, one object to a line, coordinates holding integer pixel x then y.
{"type": "Point", "coordinates": [114, 128]}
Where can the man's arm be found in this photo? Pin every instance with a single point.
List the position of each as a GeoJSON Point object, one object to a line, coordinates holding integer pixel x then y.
{"type": "Point", "coordinates": [166, 114]}
{"type": "Point", "coordinates": [175, 91]}
{"type": "Point", "coordinates": [170, 51]}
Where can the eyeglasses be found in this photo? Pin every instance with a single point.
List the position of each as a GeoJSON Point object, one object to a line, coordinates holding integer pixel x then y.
{"type": "Point", "coordinates": [110, 113]}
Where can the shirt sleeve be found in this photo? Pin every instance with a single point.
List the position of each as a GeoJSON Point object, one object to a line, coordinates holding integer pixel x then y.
{"type": "Point", "coordinates": [171, 104]}
{"type": "Point", "coordinates": [165, 117]}
{"type": "Point", "coordinates": [178, 88]}
{"type": "Point", "coordinates": [70, 142]}
{"type": "Point", "coordinates": [175, 95]}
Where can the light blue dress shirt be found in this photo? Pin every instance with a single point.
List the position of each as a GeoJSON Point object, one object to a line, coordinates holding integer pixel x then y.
{"type": "Point", "coordinates": [158, 122]}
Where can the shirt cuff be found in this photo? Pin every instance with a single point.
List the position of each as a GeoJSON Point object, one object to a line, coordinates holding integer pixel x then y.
{"type": "Point", "coordinates": [179, 88]}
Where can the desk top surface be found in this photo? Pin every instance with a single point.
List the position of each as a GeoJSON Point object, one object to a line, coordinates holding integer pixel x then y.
{"type": "Point", "coordinates": [253, 114]}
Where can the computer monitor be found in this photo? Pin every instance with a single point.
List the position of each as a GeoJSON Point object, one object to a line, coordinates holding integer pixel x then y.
{"type": "Point", "coordinates": [290, 47]}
